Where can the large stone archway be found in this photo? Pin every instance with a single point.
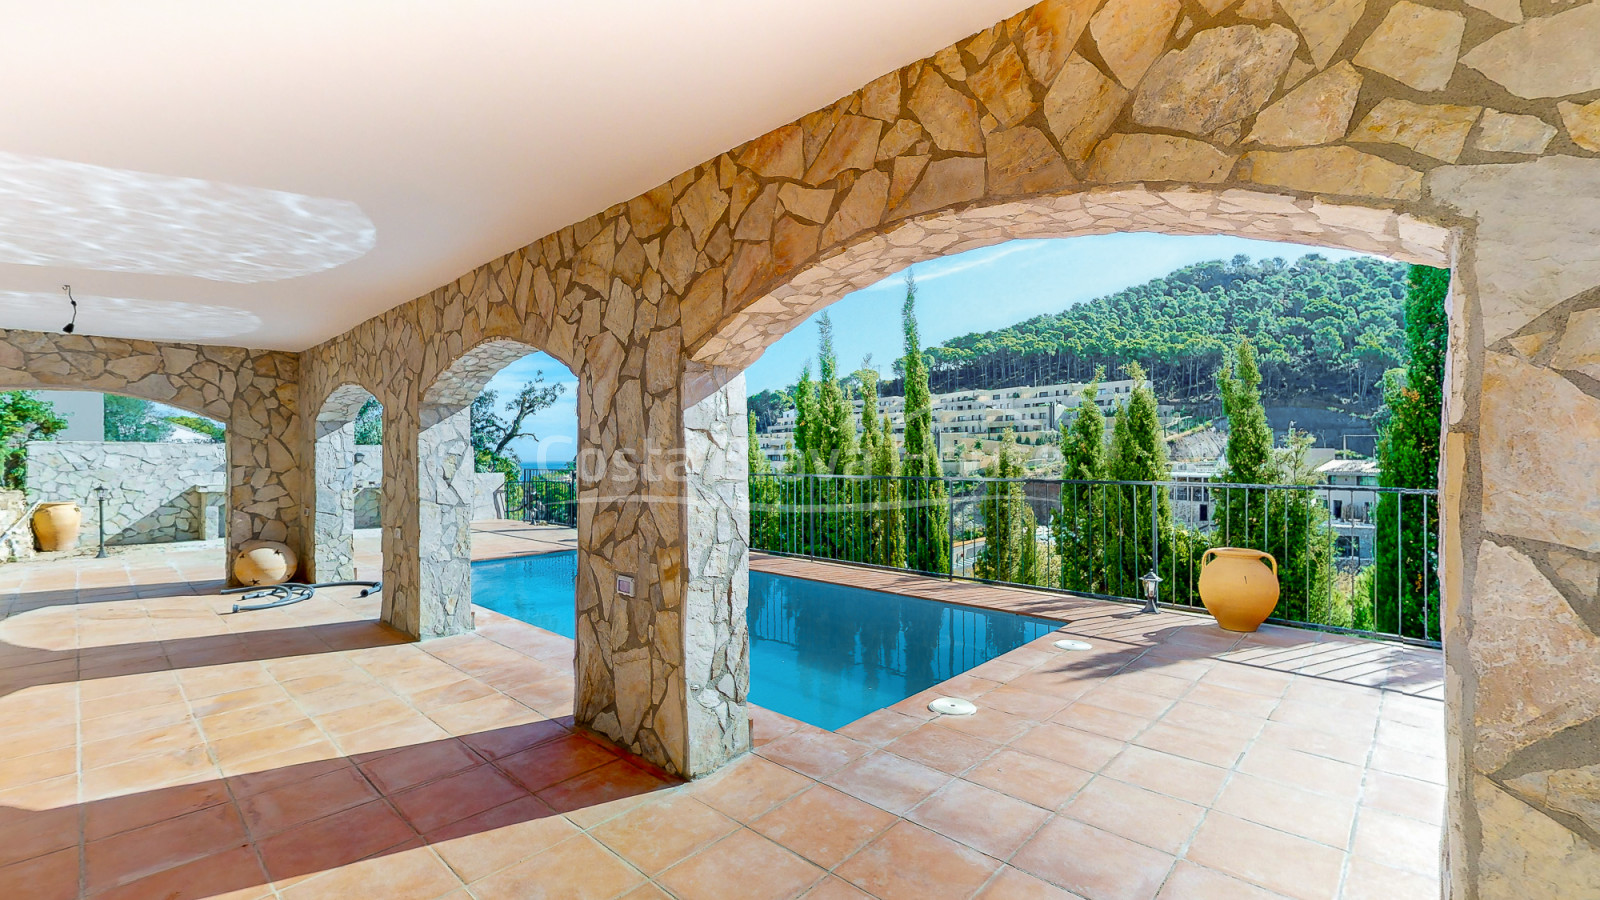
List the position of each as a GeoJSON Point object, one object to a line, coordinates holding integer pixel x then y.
{"type": "Point", "coordinates": [251, 392]}
{"type": "Point", "coordinates": [333, 515]}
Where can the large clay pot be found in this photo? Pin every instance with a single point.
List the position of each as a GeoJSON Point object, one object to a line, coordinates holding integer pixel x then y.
{"type": "Point", "coordinates": [56, 525]}
{"type": "Point", "coordinates": [262, 563]}
{"type": "Point", "coordinates": [1237, 587]}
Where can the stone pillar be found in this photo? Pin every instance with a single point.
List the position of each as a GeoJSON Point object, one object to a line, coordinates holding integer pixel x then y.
{"type": "Point", "coordinates": [265, 477]}
{"type": "Point", "coordinates": [1521, 542]}
{"type": "Point", "coordinates": [663, 501]}
{"type": "Point", "coordinates": [333, 497]}
{"type": "Point", "coordinates": [445, 493]}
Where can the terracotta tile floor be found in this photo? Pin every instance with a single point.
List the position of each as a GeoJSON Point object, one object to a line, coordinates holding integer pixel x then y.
{"type": "Point", "coordinates": [155, 746]}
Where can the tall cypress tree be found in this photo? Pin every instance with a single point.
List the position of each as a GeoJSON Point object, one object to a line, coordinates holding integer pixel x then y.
{"type": "Point", "coordinates": [883, 517]}
{"type": "Point", "coordinates": [1077, 521]}
{"type": "Point", "coordinates": [763, 495]}
{"type": "Point", "coordinates": [1138, 453]}
{"type": "Point", "coordinates": [1406, 581]}
{"type": "Point", "coordinates": [834, 434]}
{"type": "Point", "coordinates": [928, 519]}
{"type": "Point", "coordinates": [1010, 547]}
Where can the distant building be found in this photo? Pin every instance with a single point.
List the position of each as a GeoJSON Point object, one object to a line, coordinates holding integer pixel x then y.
{"type": "Point", "coordinates": [1350, 508]}
{"type": "Point", "coordinates": [972, 414]}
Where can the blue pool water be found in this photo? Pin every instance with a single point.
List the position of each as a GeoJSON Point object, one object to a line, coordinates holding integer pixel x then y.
{"type": "Point", "coordinates": [826, 654]}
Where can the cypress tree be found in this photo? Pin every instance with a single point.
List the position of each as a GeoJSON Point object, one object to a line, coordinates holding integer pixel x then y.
{"type": "Point", "coordinates": [833, 437]}
{"type": "Point", "coordinates": [1406, 582]}
{"type": "Point", "coordinates": [1138, 453]}
{"type": "Point", "coordinates": [884, 518]}
{"type": "Point", "coordinates": [928, 520]}
{"type": "Point", "coordinates": [1010, 548]}
{"type": "Point", "coordinates": [1077, 521]}
{"type": "Point", "coordinates": [763, 495]}
{"type": "Point", "coordinates": [805, 423]}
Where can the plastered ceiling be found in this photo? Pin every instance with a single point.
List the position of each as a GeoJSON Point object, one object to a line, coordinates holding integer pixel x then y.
{"type": "Point", "coordinates": [271, 174]}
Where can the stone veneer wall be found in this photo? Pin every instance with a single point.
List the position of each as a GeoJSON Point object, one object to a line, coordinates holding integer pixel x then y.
{"type": "Point", "coordinates": [1454, 131]}
{"type": "Point", "coordinates": [158, 492]}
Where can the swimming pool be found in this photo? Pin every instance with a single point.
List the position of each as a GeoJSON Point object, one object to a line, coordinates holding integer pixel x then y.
{"type": "Point", "coordinates": [826, 654]}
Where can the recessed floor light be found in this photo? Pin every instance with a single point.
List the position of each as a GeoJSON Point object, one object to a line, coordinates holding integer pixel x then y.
{"type": "Point", "coordinates": [952, 706]}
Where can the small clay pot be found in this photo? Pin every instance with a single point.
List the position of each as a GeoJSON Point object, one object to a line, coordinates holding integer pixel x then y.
{"type": "Point", "coordinates": [1237, 586]}
{"type": "Point", "coordinates": [56, 525]}
{"type": "Point", "coordinates": [262, 563]}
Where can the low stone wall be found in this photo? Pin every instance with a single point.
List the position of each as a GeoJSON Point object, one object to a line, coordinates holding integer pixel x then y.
{"type": "Point", "coordinates": [159, 493]}
{"type": "Point", "coordinates": [488, 495]}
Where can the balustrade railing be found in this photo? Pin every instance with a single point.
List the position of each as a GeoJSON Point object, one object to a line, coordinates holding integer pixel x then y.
{"type": "Point", "coordinates": [1350, 558]}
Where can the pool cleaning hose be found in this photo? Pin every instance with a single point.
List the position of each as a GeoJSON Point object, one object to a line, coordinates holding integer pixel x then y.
{"type": "Point", "coordinates": [291, 592]}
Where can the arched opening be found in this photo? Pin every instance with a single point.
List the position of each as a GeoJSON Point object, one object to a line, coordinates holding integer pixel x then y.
{"type": "Point", "coordinates": [348, 471]}
{"type": "Point", "coordinates": [149, 479]}
{"type": "Point", "coordinates": [495, 470]}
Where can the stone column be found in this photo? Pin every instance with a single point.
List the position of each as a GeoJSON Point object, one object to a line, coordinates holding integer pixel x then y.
{"type": "Point", "coordinates": [333, 517]}
{"type": "Point", "coordinates": [265, 477]}
{"type": "Point", "coordinates": [1521, 543]}
{"type": "Point", "coordinates": [663, 502]}
{"type": "Point", "coordinates": [444, 520]}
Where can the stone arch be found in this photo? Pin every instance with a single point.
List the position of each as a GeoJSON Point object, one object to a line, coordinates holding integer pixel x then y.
{"type": "Point", "coordinates": [333, 492]}
{"type": "Point", "coordinates": [445, 473]}
{"type": "Point", "coordinates": [743, 335]}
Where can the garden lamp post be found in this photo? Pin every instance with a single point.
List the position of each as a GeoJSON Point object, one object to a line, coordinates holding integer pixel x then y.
{"type": "Point", "coordinates": [1152, 589]}
{"type": "Point", "coordinates": [100, 492]}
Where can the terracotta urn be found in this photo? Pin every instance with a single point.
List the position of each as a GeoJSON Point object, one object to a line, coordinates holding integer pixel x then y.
{"type": "Point", "coordinates": [56, 525]}
{"type": "Point", "coordinates": [262, 563]}
{"type": "Point", "coordinates": [1237, 586]}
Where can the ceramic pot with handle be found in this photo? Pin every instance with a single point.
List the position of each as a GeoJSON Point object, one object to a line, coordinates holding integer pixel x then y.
{"type": "Point", "coordinates": [56, 525]}
{"type": "Point", "coordinates": [1239, 586]}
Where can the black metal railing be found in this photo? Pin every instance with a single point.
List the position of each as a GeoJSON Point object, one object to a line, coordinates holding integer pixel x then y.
{"type": "Point", "coordinates": [1355, 559]}
{"type": "Point", "coordinates": [548, 498]}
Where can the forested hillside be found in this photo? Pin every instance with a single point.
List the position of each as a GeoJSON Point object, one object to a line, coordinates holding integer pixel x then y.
{"type": "Point", "coordinates": [1320, 328]}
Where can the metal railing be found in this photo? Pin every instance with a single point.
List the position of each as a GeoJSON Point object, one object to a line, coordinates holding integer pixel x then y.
{"type": "Point", "coordinates": [543, 497]}
{"type": "Point", "coordinates": [1370, 568]}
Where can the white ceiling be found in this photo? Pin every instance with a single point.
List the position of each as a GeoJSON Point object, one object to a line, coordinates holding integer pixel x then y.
{"type": "Point", "coordinates": [271, 173]}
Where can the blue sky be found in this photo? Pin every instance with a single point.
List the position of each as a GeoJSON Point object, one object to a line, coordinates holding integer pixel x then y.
{"type": "Point", "coordinates": [979, 290]}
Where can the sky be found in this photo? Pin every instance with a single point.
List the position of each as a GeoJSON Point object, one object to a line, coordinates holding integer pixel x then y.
{"type": "Point", "coordinates": [979, 290]}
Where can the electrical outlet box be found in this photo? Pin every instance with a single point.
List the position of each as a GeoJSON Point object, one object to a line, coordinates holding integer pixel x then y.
{"type": "Point", "coordinates": [625, 585]}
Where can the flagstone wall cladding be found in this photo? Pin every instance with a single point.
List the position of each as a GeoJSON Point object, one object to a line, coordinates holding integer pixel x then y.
{"type": "Point", "coordinates": [158, 493]}
{"type": "Point", "coordinates": [252, 392]}
{"type": "Point", "coordinates": [1445, 131]}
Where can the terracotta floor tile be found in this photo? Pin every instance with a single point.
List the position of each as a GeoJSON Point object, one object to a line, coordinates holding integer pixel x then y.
{"type": "Point", "coordinates": [143, 698]}
{"type": "Point", "coordinates": [131, 746]}
{"type": "Point", "coordinates": [239, 748]}
{"type": "Point", "coordinates": [659, 833]}
{"type": "Point", "coordinates": [1367, 880]}
{"type": "Point", "coordinates": [27, 834]}
{"type": "Point", "coordinates": [367, 716]}
{"type": "Point", "coordinates": [459, 691]}
{"type": "Point", "coordinates": [411, 766]}
{"type": "Point", "coordinates": [1079, 749]}
{"type": "Point", "coordinates": [484, 714]}
{"type": "Point", "coordinates": [910, 862]}
{"type": "Point", "coordinates": [282, 808]}
{"type": "Point", "coordinates": [391, 736]}
{"type": "Point", "coordinates": [1093, 863]}
{"type": "Point", "coordinates": [1397, 842]}
{"type": "Point", "coordinates": [135, 854]}
{"type": "Point", "coordinates": [189, 765]}
{"type": "Point", "coordinates": [1344, 748]}
{"type": "Point", "coordinates": [497, 742]}
{"type": "Point", "coordinates": [1404, 762]}
{"type": "Point", "coordinates": [1152, 819]}
{"type": "Point", "coordinates": [1303, 770]}
{"type": "Point", "coordinates": [337, 840]}
{"type": "Point", "coordinates": [342, 696]}
{"type": "Point", "coordinates": [554, 761]}
{"type": "Point", "coordinates": [19, 771]}
{"type": "Point", "coordinates": [889, 782]}
{"type": "Point", "coordinates": [985, 820]}
{"type": "Point", "coordinates": [602, 793]}
{"type": "Point", "coordinates": [455, 797]}
{"type": "Point", "coordinates": [943, 748]}
{"type": "Point", "coordinates": [231, 875]}
{"type": "Point", "coordinates": [814, 752]}
{"type": "Point", "coordinates": [879, 728]}
{"type": "Point", "coordinates": [988, 724]}
{"type": "Point", "coordinates": [480, 845]}
{"type": "Point", "coordinates": [1263, 856]}
{"type": "Point", "coordinates": [50, 877]}
{"type": "Point", "coordinates": [288, 767]}
{"type": "Point", "coordinates": [1320, 817]}
{"type": "Point", "coordinates": [409, 874]}
{"type": "Point", "coordinates": [831, 888]}
{"type": "Point", "coordinates": [103, 818]}
{"type": "Point", "coordinates": [1409, 797]}
{"type": "Point", "coordinates": [134, 721]}
{"type": "Point", "coordinates": [1099, 720]}
{"type": "Point", "coordinates": [824, 825]}
{"type": "Point", "coordinates": [762, 870]}
{"type": "Point", "coordinates": [1191, 882]}
{"type": "Point", "coordinates": [1015, 884]}
{"type": "Point", "coordinates": [1213, 748]}
{"type": "Point", "coordinates": [1025, 704]}
{"type": "Point", "coordinates": [578, 868]}
{"type": "Point", "coordinates": [1039, 781]}
{"type": "Point", "coordinates": [746, 788]}
{"type": "Point", "coordinates": [237, 699]}
{"type": "Point", "coordinates": [39, 740]}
